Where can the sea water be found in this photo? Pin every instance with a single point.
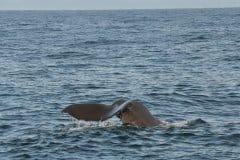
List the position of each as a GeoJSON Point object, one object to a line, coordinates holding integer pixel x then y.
{"type": "Point", "coordinates": [183, 65]}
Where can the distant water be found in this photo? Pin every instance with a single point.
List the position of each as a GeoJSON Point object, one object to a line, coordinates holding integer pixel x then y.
{"type": "Point", "coordinates": [184, 65]}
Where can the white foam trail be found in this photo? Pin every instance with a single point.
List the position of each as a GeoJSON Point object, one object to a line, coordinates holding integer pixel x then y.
{"type": "Point", "coordinates": [82, 125]}
{"type": "Point", "coordinates": [178, 124]}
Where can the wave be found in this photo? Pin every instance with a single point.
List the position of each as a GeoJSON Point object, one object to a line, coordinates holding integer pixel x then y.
{"type": "Point", "coordinates": [104, 42]}
{"type": "Point", "coordinates": [83, 125]}
{"type": "Point", "coordinates": [5, 126]}
{"type": "Point", "coordinates": [185, 123]}
{"type": "Point", "coordinates": [235, 58]}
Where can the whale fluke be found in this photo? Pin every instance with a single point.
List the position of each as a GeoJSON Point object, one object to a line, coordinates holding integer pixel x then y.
{"type": "Point", "coordinates": [88, 112]}
{"type": "Point", "coordinates": [129, 112]}
{"type": "Point", "coordinates": [94, 111]}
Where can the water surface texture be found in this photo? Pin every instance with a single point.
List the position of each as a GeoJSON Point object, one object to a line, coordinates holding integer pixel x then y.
{"type": "Point", "coordinates": [184, 65]}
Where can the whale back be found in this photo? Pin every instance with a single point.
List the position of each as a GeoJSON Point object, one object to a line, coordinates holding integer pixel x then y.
{"type": "Point", "coordinates": [137, 114]}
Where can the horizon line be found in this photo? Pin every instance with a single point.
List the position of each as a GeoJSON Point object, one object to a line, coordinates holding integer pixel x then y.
{"type": "Point", "coordinates": [115, 9]}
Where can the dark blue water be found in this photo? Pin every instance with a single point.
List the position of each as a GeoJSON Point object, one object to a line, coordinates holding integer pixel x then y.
{"type": "Point", "coordinates": [184, 65]}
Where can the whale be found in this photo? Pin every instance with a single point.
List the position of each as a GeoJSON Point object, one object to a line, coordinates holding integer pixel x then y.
{"type": "Point", "coordinates": [130, 112]}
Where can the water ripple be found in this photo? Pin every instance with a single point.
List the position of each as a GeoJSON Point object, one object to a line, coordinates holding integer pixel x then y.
{"type": "Point", "coordinates": [185, 70]}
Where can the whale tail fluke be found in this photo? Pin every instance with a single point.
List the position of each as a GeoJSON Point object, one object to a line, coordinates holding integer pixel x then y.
{"type": "Point", "coordinates": [94, 111]}
{"type": "Point", "coordinates": [87, 112]}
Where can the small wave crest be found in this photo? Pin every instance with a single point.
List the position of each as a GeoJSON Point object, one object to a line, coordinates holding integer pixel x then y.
{"type": "Point", "coordinates": [185, 123]}
{"type": "Point", "coordinates": [5, 126]}
{"type": "Point", "coordinates": [105, 42]}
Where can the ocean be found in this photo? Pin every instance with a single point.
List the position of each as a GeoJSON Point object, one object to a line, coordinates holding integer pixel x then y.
{"type": "Point", "coordinates": [183, 64]}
